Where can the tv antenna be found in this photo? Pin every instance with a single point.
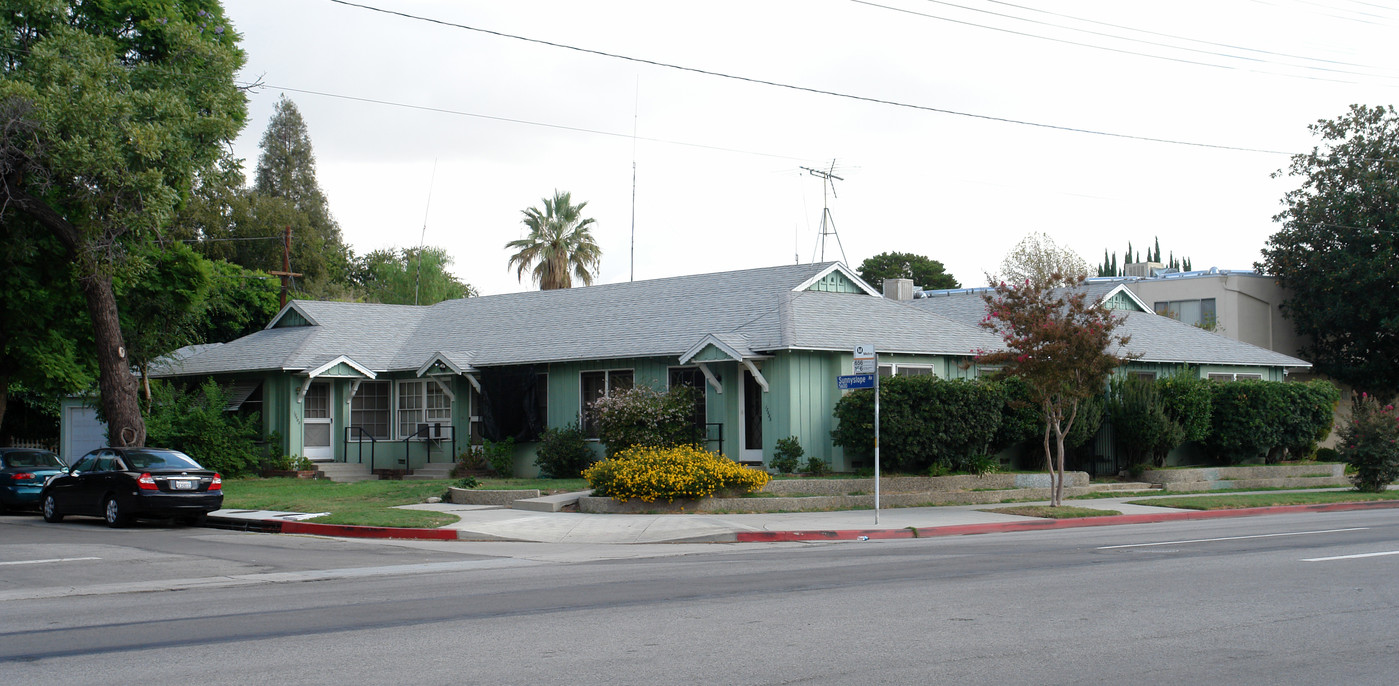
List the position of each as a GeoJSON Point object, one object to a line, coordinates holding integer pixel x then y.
{"type": "Point", "coordinates": [828, 222]}
{"type": "Point", "coordinates": [422, 238]}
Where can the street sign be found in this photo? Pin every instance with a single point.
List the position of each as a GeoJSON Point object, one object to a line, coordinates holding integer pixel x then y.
{"type": "Point", "coordinates": [866, 361]}
{"type": "Point", "coordinates": [854, 381]}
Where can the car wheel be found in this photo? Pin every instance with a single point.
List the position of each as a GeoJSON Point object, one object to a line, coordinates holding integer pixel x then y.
{"type": "Point", "coordinates": [113, 513]}
{"type": "Point", "coordinates": [50, 508]}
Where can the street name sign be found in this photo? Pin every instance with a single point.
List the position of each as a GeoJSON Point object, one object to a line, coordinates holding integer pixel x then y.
{"type": "Point", "coordinates": [848, 382]}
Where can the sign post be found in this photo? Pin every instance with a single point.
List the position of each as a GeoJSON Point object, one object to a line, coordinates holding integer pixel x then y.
{"type": "Point", "coordinates": [867, 362]}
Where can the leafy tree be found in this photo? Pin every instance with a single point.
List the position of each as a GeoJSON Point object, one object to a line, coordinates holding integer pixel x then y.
{"type": "Point", "coordinates": [194, 422]}
{"type": "Point", "coordinates": [1338, 249]}
{"type": "Point", "coordinates": [1141, 425]}
{"type": "Point", "coordinates": [411, 276]}
{"type": "Point", "coordinates": [560, 245]}
{"type": "Point", "coordinates": [160, 295]}
{"type": "Point", "coordinates": [1059, 344]}
{"type": "Point", "coordinates": [925, 272]}
{"type": "Point", "coordinates": [109, 109]}
{"type": "Point", "coordinates": [1036, 259]}
{"type": "Point", "coordinates": [1371, 443]}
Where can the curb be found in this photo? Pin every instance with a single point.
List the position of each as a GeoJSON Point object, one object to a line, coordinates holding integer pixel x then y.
{"type": "Point", "coordinates": [1045, 524]}
{"type": "Point", "coordinates": [278, 526]}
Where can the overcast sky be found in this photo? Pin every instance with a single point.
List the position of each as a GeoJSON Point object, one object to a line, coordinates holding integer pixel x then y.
{"type": "Point", "coordinates": [718, 160]}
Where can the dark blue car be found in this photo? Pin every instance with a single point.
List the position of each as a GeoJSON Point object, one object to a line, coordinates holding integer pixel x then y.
{"type": "Point", "coordinates": [120, 484]}
{"type": "Point", "coordinates": [23, 472]}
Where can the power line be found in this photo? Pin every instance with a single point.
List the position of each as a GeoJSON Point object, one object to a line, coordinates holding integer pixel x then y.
{"type": "Point", "coordinates": [805, 89]}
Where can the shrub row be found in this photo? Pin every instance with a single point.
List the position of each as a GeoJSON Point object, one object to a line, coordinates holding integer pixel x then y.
{"type": "Point", "coordinates": [930, 423]}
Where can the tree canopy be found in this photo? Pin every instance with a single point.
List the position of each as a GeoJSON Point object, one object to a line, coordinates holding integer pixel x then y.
{"type": "Point", "coordinates": [1060, 345]}
{"type": "Point", "coordinates": [560, 245]}
{"type": "Point", "coordinates": [1337, 252]}
{"type": "Point", "coordinates": [410, 276]}
{"type": "Point", "coordinates": [925, 272]}
{"type": "Point", "coordinates": [1036, 259]}
{"type": "Point", "coordinates": [110, 109]}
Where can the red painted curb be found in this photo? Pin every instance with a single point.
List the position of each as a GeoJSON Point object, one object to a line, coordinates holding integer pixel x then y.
{"type": "Point", "coordinates": [350, 531]}
{"type": "Point", "coordinates": [1043, 524]}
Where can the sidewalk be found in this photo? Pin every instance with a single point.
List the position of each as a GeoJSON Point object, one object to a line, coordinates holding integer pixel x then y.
{"type": "Point", "coordinates": [489, 523]}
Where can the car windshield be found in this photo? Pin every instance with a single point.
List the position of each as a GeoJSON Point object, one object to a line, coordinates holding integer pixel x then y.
{"type": "Point", "coordinates": [142, 460]}
{"type": "Point", "coordinates": [41, 459]}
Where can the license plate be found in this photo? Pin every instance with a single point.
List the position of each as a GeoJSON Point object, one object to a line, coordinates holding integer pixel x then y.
{"type": "Point", "coordinates": [182, 485]}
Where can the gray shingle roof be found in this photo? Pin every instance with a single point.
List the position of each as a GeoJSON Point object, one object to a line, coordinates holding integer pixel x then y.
{"type": "Point", "coordinates": [661, 317]}
{"type": "Point", "coordinates": [1154, 338]}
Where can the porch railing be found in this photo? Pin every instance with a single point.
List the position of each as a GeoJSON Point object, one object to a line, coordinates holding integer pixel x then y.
{"type": "Point", "coordinates": [429, 435]}
{"type": "Point", "coordinates": [714, 434]}
{"type": "Point", "coordinates": [362, 436]}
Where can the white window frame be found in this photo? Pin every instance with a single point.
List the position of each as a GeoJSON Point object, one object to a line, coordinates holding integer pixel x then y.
{"type": "Point", "coordinates": [1234, 376]}
{"type": "Point", "coordinates": [428, 414]}
{"type": "Point", "coordinates": [606, 391]}
{"type": "Point", "coordinates": [388, 421]}
{"type": "Point", "coordinates": [894, 368]}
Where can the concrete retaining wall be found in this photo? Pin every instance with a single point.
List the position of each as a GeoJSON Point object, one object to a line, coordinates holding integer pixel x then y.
{"type": "Point", "coordinates": [467, 496]}
{"type": "Point", "coordinates": [918, 484]}
{"type": "Point", "coordinates": [816, 503]}
{"type": "Point", "coordinates": [1263, 476]}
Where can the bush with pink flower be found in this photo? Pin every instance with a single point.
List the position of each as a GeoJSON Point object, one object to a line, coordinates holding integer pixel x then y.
{"type": "Point", "coordinates": [1370, 442]}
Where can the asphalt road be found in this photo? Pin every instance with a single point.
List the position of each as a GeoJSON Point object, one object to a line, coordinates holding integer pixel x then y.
{"type": "Point", "coordinates": [1263, 600]}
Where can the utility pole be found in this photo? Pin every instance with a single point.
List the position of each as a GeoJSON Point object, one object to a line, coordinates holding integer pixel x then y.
{"type": "Point", "coordinates": [828, 222]}
{"type": "Point", "coordinates": [286, 272]}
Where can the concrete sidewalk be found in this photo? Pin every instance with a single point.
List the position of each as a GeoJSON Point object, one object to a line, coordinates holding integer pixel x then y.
{"type": "Point", "coordinates": [489, 523]}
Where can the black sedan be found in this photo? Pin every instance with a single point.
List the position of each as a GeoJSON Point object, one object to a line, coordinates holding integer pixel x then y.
{"type": "Point", "coordinates": [119, 484]}
{"type": "Point", "coordinates": [23, 472]}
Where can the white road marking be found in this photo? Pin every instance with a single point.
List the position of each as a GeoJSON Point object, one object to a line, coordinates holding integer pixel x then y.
{"type": "Point", "coordinates": [56, 559]}
{"type": "Point", "coordinates": [1350, 557]}
{"type": "Point", "coordinates": [1231, 538]}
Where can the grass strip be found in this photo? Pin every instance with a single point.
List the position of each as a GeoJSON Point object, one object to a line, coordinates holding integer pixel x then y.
{"type": "Point", "coordinates": [1047, 512]}
{"type": "Point", "coordinates": [1235, 502]}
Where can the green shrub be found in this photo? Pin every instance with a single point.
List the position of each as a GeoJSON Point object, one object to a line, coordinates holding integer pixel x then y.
{"type": "Point", "coordinates": [1326, 455]}
{"type": "Point", "coordinates": [194, 422]}
{"type": "Point", "coordinates": [468, 482]}
{"type": "Point", "coordinates": [686, 472]}
{"type": "Point", "coordinates": [1143, 430]}
{"type": "Point", "coordinates": [644, 416]}
{"type": "Point", "coordinates": [499, 457]}
{"type": "Point", "coordinates": [1021, 420]}
{"type": "Point", "coordinates": [1185, 398]}
{"type": "Point", "coordinates": [1309, 410]}
{"type": "Point", "coordinates": [1244, 419]}
{"type": "Point", "coordinates": [564, 452]}
{"type": "Point", "coordinates": [923, 420]}
{"type": "Point", "coordinates": [816, 466]}
{"type": "Point", "coordinates": [980, 465]}
{"type": "Point", "coordinates": [787, 456]}
{"type": "Point", "coordinates": [1371, 444]}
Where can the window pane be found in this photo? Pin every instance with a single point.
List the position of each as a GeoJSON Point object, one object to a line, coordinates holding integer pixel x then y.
{"type": "Point", "coordinates": [317, 435]}
{"type": "Point", "coordinates": [1207, 314]}
{"type": "Point", "coordinates": [594, 386]}
{"type": "Point", "coordinates": [915, 371]}
{"type": "Point", "coordinates": [886, 371]}
{"type": "Point", "coordinates": [410, 407]}
{"type": "Point", "coordinates": [369, 410]}
{"type": "Point", "coordinates": [1189, 311]}
{"type": "Point", "coordinates": [619, 380]}
{"type": "Point", "coordinates": [439, 405]}
{"type": "Point", "coordinates": [317, 401]}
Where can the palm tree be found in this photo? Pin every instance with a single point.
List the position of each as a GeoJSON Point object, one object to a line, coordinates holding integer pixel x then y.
{"type": "Point", "coordinates": [559, 246]}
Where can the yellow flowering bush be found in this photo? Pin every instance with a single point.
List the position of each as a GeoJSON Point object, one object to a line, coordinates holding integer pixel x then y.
{"type": "Point", "coordinates": [684, 472]}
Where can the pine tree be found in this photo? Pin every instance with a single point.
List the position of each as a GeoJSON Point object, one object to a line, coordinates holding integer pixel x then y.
{"type": "Point", "coordinates": [286, 172]}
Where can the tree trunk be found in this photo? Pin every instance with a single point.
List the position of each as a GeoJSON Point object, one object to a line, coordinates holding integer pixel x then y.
{"type": "Point", "coordinates": [125, 426]}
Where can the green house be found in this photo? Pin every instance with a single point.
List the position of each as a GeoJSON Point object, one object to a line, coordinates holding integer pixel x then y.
{"type": "Point", "coordinates": [401, 387]}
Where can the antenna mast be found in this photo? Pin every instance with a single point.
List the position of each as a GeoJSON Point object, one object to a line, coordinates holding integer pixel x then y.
{"type": "Point", "coordinates": [828, 222]}
{"type": "Point", "coordinates": [422, 238]}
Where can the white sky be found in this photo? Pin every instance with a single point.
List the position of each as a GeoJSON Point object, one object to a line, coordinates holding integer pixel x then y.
{"type": "Point", "coordinates": [717, 160]}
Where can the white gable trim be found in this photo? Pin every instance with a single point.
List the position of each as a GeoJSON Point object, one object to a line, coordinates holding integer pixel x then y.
{"type": "Point", "coordinates": [353, 365]}
{"type": "Point", "coordinates": [1122, 288]}
{"type": "Point", "coordinates": [441, 358]}
{"type": "Point", "coordinates": [293, 305]}
{"type": "Point", "coordinates": [838, 267]}
{"type": "Point", "coordinates": [713, 340]}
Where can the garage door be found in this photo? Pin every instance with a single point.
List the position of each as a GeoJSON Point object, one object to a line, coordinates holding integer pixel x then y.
{"type": "Point", "coordinates": [82, 432]}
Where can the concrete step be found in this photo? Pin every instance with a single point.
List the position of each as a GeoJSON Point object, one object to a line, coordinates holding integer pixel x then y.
{"type": "Point", "coordinates": [432, 470]}
{"type": "Point", "coordinates": [549, 503]}
{"type": "Point", "coordinates": [341, 472]}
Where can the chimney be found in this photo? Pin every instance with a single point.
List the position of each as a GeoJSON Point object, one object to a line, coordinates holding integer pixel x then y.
{"type": "Point", "coordinates": [898, 289]}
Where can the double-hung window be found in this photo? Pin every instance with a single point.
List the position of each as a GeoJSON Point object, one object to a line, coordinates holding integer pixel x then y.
{"type": "Point", "coordinates": [369, 411]}
{"type": "Point", "coordinates": [597, 385]}
{"type": "Point", "coordinates": [421, 402]}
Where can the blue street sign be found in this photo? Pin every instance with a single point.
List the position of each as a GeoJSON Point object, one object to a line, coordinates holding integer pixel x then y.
{"type": "Point", "coordinates": [854, 381]}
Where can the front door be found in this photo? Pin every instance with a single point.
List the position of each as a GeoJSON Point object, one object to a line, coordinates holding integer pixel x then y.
{"type": "Point", "coordinates": [316, 421]}
{"type": "Point", "coordinates": [752, 416]}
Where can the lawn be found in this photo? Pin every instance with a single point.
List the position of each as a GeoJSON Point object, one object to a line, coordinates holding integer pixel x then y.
{"type": "Point", "coordinates": [366, 503]}
{"type": "Point", "coordinates": [1234, 502]}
